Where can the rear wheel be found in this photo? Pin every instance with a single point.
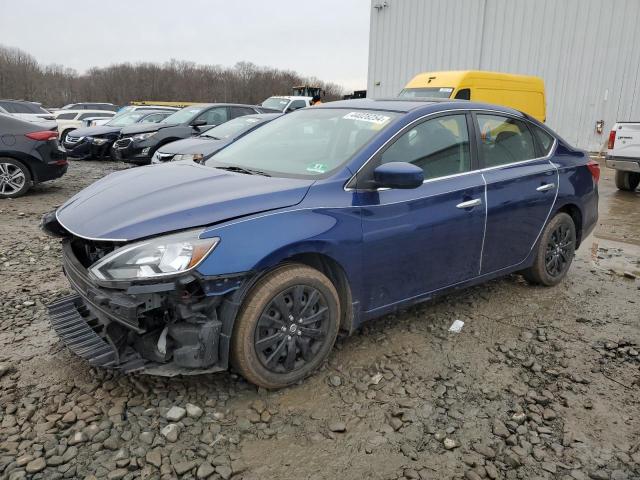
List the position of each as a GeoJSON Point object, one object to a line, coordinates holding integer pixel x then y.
{"type": "Point", "coordinates": [63, 136]}
{"type": "Point", "coordinates": [15, 178]}
{"type": "Point", "coordinates": [286, 327]}
{"type": "Point", "coordinates": [627, 181]}
{"type": "Point", "coordinates": [554, 252]}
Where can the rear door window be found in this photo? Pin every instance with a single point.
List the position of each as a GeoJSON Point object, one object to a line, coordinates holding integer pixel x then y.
{"type": "Point", "coordinates": [439, 146]}
{"type": "Point", "coordinates": [241, 111]}
{"type": "Point", "coordinates": [66, 116]}
{"type": "Point", "coordinates": [504, 140]}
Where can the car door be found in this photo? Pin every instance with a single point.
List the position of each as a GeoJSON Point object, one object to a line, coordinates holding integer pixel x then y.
{"type": "Point", "coordinates": [522, 184]}
{"type": "Point", "coordinates": [214, 116]}
{"type": "Point", "coordinates": [422, 240]}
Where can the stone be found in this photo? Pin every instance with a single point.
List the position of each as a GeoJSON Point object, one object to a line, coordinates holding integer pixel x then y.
{"type": "Point", "coordinates": [78, 437]}
{"type": "Point", "coordinates": [117, 474]}
{"type": "Point", "coordinates": [170, 432]}
{"type": "Point", "coordinates": [499, 429]}
{"type": "Point", "coordinates": [69, 417]}
{"type": "Point", "coordinates": [450, 443]}
{"type": "Point", "coordinates": [338, 427]}
{"type": "Point", "coordinates": [184, 467]}
{"type": "Point", "coordinates": [35, 466]}
{"type": "Point", "coordinates": [175, 414]}
{"type": "Point", "coordinates": [485, 451]}
{"type": "Point", "coordinates": [224, 471]}
{"type": "Point", "coordinates": [335, 380]}
{"type": "Point", "coordinates": [193, 411]}
{"type": "Point", "coordinates": [112, 443]}
{"type": "Point", "coordinates": [471, 475]}
{"type": "Point", "coordinates": [205, 470]}
{"type": "Point", "coordinates": [154, 458]}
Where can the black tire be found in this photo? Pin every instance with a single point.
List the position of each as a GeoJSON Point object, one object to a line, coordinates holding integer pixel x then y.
{"type": "Point", "coordinates": [554, 252]}
{"type": "Point", "coordinates": [627, 181]}
{"type": "Point", "coordinates": [15, 178]}
{"type": "Point", "coordinates": [63, 136]}
{"type": "Point", "coordinates": [278, 340]}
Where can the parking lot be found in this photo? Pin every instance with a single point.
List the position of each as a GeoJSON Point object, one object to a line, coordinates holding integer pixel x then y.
{"type": "Point", "coordinates": [539, 383]}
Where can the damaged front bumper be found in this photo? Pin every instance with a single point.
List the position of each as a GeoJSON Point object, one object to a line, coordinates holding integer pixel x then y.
{"type": "Point", "coordinates": [175, 327]}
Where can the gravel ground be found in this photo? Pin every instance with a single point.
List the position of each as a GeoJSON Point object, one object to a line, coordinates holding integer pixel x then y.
{"type": "Point", "coordinates": [539, 384]}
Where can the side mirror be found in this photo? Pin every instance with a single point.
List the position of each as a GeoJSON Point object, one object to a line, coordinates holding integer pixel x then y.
{"type": "Point", "coordinates": [398, 175]}
{"type": "Point", "coordinates": [198, 123]}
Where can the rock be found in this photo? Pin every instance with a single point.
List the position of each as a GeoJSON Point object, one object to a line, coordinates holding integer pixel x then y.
{"type": "Point", "coordinates": [175, 414]}
{"type": "Point", "coordinates": [485, 451]}
{"type": "Point", "coordinates": [499, 429]}
{"type": "Point", "coordinates": [35, 466]}
{"type": "Point", "coordinates": [205, 470]}
{"type": "Point", "coordinates": [224, 471]}
{"type": "Point", "coordinates": [78, 437]}
{"type": "Point", "coordinates": [335, 380]}
{"type": "Point", "coordinates": [154, 458]}
{"type": "Point", "coordinates": [69, 417]}
{"type": "Point", "coordinates": [117, 474]}
{"type": "Point", "coordinates": [471, 475]}
{"type": "Point", "coordinates": [193, 411]}
{"type": "Point", "coordinates": [112, 443]}
{"type": "Point", "coordinates": [338, 427]}
{"type": "Point", "coordinates": [147, 437]}
{"type": "Point", "coordinates": [549, 467]}
{"type": "Point", "coordinates": [395, 423]}
{"type": "Point", "coordinates": [184, 467]}
{"type": "Point", "coordinates": [450, 443]}
{"type": "Point", "coordinates": [259, 406]}
{"type": "Point", "coordinates": [170, 432]}
{"type": "Point", "coordinates": [548, 414]}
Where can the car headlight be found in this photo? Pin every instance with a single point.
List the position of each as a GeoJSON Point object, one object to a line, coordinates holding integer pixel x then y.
{"type": "Point", "coordinates": [156, 257]}
{"type": "Point", "coordinates": [143, 136]}
{"type": "Point", "coordinates": [194, 157]}
{"type": "Point", "coordinates": [99, 141]}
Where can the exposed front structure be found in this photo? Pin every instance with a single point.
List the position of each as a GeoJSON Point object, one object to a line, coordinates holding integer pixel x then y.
{"type": "Point", "coordinates": [585, 50]}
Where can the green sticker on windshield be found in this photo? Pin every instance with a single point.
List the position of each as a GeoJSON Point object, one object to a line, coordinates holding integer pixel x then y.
{"type": "Point", "coordinates": [317, 168]}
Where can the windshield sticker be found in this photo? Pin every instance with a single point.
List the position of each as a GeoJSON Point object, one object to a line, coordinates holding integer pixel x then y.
{"type": "Point", "coordinates": [367, 117]}
{"type": "Point", "coordinates": [446, 90]}
{"type": "Point", "coordinates": [317, 168]}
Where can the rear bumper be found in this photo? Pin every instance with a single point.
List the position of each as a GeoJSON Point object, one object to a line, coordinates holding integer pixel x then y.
{"type": "Point", "coordinates": [626, 165]}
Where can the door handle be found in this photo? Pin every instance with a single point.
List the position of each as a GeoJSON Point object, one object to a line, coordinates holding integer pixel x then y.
{"type": "Point", "coordinates": [545, 187]}
{"type": "Point", "coordinates": [470, 203]}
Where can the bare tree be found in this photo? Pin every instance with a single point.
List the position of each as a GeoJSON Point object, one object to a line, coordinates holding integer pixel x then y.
{"type": "Point", "coordinates": [54, 85]}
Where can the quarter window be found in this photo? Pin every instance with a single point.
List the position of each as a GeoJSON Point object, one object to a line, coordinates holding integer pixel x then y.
{"type": "Point", "coordinates": [439, 146]}
{"type": "Point", "coordinates": [66, 116]}
{"type": "Point", "coordinates": [504, 140]}
{"type": "Point", "coordinates": [544, 139]}
{"type": "Point", "coordinates": [241, 111]}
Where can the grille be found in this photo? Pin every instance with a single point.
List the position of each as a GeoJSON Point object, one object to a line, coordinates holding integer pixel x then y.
{"type": "Point", "coordinates": [123, 142]}
{"type": "Point", "coordinates": [89, 252]}
{"type": "Point", "coordinates": [71, 139]}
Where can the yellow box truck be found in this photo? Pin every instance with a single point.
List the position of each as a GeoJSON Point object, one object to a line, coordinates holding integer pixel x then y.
{"type": "Point", "coordinates": [521, 92]}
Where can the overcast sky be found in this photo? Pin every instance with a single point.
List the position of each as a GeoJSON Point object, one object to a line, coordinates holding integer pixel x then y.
{"type": "Point", "coordinates": [328, 39]}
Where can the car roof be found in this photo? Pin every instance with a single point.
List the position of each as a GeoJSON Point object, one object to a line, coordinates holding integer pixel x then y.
{"type": "Point", "coordinates": [262, 116]}
{"type": "Point", "coordinates": [84, 111]}
{"type": "Point", "coordinates": [291, 97]}
{"type": "Point", "coordinates": [407, 105]}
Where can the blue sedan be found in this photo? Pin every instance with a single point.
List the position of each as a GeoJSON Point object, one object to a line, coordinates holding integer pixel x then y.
{"type": "Point", "coordinates": [314, 223]}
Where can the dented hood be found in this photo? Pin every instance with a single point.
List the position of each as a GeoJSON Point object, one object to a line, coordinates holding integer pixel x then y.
{"type": "Point", "coordinates": [147, 201]}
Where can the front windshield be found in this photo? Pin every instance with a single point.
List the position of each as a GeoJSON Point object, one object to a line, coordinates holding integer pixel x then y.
{"type": "Point", "coordinates": [184, 115]}
{"type": "Point", "coordinates": [231, 128]}
{"type": "Point", "coordinates": [125, 119]}
{"type": "Point", "coordinates": [277, 103]}
{"type": "Point", "coordinates": [304, 144]}
{"type": "Point", "coordinates": [432, 92]}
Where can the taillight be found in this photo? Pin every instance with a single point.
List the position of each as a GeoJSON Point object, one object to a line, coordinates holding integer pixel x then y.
{"type": "Point", "coordinates": [42, 136]}
{"type": "Point", "coordinates": [612, 139]}
{"type": "Point", "coordinates": [594, 168]}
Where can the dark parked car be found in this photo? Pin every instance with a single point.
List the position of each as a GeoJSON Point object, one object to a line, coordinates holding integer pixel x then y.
{"type": "Point", "coordinates": [317, 222]}
{"type": "Point", "coordinates": [138, 143]}
{"type": "Point", "coordinates": [96, 142]}
{"type": "Point", "coordinates": [202, 147]}
{"type": "Point", "coordinates": [28, 155]}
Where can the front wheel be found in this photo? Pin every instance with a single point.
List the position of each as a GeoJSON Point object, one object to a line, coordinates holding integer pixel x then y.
{"type": "Point", "coordinates": [627, 181]}
{"type": "Point", "coordinates": [286, 327]}
{"type": "Point", "coordinates": [554, 252]}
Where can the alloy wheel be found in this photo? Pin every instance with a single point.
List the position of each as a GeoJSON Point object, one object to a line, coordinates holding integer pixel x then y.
{"type": "Point", "coordinates": [559, 248]}
{"type": "Point", "coordinates": [12, 179]}
{"type": "Point", "coordinates": [292, 329]}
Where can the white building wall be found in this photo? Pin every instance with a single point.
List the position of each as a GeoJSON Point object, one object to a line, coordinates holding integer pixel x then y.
{"type": "Point", "coordinates": [587, 52]}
